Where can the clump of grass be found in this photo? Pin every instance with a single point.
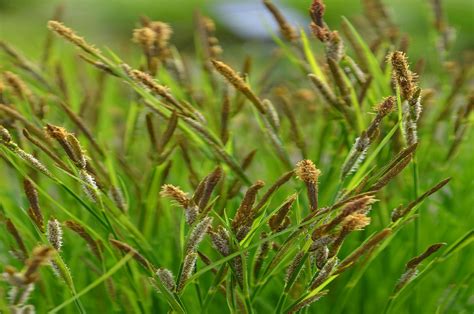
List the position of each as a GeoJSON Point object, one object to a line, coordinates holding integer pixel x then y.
{"type": "Point", "coordinates": [334, 170]}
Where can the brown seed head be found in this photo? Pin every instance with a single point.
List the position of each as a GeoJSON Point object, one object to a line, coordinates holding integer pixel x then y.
{"type": "Point", "coordinates": [385, 107]}
{"type": "Point", "coordinates": [402, 74]}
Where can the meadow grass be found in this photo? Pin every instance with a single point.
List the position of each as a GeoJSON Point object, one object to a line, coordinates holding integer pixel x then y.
{"type": "Point", "coordinates": [169, 183]}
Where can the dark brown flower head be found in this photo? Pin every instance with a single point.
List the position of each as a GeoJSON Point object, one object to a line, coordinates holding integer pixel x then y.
{"type": "Point", "coordinates": [402, 74]}
{"type": "Point", "coordinates": [307, 171]}
{"type": "Point", "coordinates": [385, 107]}
{"type": "Point", "coordinates": [316, 11]}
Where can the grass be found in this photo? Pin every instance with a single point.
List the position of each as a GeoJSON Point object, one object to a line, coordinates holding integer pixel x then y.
{"type": "Point", "coordinates": [136, 185]}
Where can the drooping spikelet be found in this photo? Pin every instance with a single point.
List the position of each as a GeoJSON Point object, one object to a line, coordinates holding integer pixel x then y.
{"type": "Point", "coordinates": [280, 220]}
{"type": "Point", "coordinates": [287, 31]}
{"type": "Point", "coordinates": [127, 249]}
{"type": "Point", "coordinates": [68, 34]}
{"type": "Point", "coordinates": [309, 174]}
{"type": "Point", "coordinates": [238, 82]}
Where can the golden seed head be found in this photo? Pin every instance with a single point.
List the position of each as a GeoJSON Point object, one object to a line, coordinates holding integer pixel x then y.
{"type": "Point", "coordinates": [307, 171]}
{"type": "Point", "coordinates": [67, 33]}
{"type": "Point", "coordinates": [176, 194]}
{"type": "Point", "coordinates": [162, 30]}
{"type": "Point", "coordinates": [356, 221]}
{"type": "Point", "coordinates": [56, 132]}
{"type": "Point", "coordinates": [145, 37]}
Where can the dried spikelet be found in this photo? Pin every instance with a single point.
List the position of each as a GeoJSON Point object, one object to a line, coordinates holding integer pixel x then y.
{"type": "Point", "coordinates": [294, 267]}
{"type": "Point", "coordinates": [318, 27]}
{"type": "Point", "coordinates": [307, 302]}
{"type": "Point", "coordinates": [81, 231]}
{"type": "Point", "coordinates": [309, 174]}
{"type": "Point", "coordinates": [175, 194]}
{"type": "Point", "coordinates": [287, 31]}
{"type": "Point", "coordinates": [72, 37]}
{"type": "Point", "coordinates": [79, 156]}
{"type": "Point", "coordinates": [360, 205]}
{"type": "Point", "coordinates": [166, 278]}
{"type": "Point", "coordinates": [402, 74]}
{"type": "Point", "coordinates": [355, 221]}
{"type": "Point", "coordinates": [280, 220]}
{"type": "Point", "coordinates": [156, 88]}
{"type": "Point", "coordinates": [34, 211]}
{"type": "Point", "coordinates": [197, 234]}
{"type": "Point", "coordinates": [244, 213]}
{"type": "Point", "coordinates": [11, 228]}
{"type": "Point", "coordinates": [188, 268]}
{"type": "Point", "coordinates": [54, 233]}
{"type": "Point", "coordinates": [236, 80]}
{"type": "Point", "coordinates": [220, 240]}
{"type": "Point", "coordinates": [414, 262]}
{"type": "Point", "coordinates": [60, 135]}
{"type": "Point", "coordinates": [211, 182]}
{"type": "Point", "coordinates": [127, 249]}
{"type": "Point", "coordinates": [324, 273]}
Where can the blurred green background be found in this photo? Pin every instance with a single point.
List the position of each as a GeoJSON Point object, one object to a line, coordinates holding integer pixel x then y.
{"type": "Point", "coordinates": [110, 22]}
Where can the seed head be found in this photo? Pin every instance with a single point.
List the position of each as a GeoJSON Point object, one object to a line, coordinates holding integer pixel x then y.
{"type": "Point", "coordinates": [356, 221]}
{"type": "Point", "coordinates": [175, 194]}
{"type": "Point", "coordinates": [54, 233]}
{"type": "Point", "coordinates": [72, 37]}
{"type": "Point", "coordinates": [145, 37]}
{"type": "Point", "coordinates": [307, 171]}
{"type": "Point", "coordinates": [402, 74]}
{"type": "Point", "coordinates": [167, 278]}
{"type": "Point", "coordinates": [5, 136]}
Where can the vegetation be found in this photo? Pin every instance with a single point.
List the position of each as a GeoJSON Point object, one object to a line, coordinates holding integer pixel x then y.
{"type": "Point", "coordinates": [136, 187]}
